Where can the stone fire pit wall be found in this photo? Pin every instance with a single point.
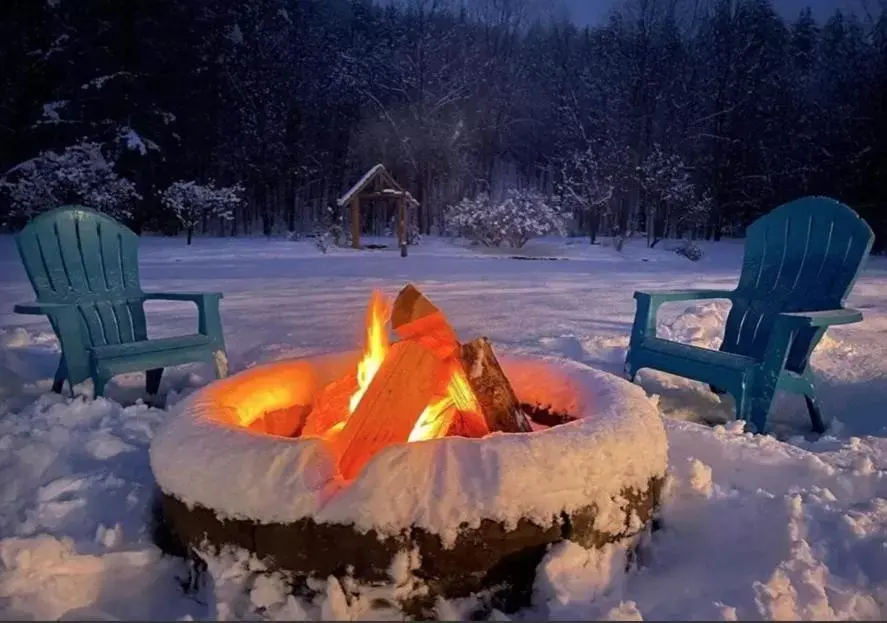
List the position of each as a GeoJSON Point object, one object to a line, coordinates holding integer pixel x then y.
{"type": "Point", "coordinates": [480, 512]}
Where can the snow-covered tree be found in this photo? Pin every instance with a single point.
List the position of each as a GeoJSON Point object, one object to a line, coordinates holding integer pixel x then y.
{"type": "Point", "coordinates": [665, 183]}
{"type": "Point", "coordinates": [79, 174]}
{"type": "Point", "coordinates": [192, 202]}
{"type": "Point", "coordinates": [520, 216]}
{"type": "Point", "coordinates": [587, 187]}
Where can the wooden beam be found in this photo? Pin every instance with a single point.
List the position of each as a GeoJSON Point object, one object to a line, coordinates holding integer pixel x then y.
{"type": "Point", "coordinates": [381, 195]}
{"type": "Point", "coordinates": [355, 222]}
{"type": "Point", "coordinates": [390, 180]}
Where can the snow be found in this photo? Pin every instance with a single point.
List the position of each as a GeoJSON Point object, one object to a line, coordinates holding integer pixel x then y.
{"type": "Point", "coordinates": [99, 81]}
{"type": "Point", "coordinates": [133, 141]}
{"type": "Point", "coordinates": [51, 111]}
{"type": "Point", "coordinates": [81, 173]}
{"type": "Point", "coordinates": [617, 443]}
{"type": "Point", "coordinates": [753, 527]}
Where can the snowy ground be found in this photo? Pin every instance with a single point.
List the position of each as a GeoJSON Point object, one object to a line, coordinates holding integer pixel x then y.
{"type": "Point", "coordinates": [754, 527]}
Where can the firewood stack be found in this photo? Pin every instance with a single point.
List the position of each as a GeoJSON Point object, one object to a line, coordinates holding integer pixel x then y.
{"type": "Point", "coordinates": [429, 385]}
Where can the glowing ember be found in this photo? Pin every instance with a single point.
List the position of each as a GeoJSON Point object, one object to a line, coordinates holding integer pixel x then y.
{"type": "Point", "coordinates": [376, 346]}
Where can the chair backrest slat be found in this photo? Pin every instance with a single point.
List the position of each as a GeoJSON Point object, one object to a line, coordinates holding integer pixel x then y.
{"type": "Point", "coordinates": [75, 255]}
{"type": "Point", "coordinates": [803, 256]}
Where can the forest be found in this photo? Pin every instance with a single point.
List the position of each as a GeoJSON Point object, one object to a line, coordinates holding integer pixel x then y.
{"type": "Point", "coordinates": [671, 118]}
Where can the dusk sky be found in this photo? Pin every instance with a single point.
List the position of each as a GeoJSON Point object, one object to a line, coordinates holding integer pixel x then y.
{"type": "Point", "coordinates": [590, 11]}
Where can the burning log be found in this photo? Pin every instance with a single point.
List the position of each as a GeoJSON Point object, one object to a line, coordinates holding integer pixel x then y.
{"type": "Point", "coordinates": [331, 405]}
{"type": "Point", "coordinates": [468, 424]}
{"type": "Point", "coordinates": [283, 422]}
{"type": "Point", "coordinates": [414, 317]}
{"type": "Point", "coordinates": [387, 413]}
{"type": "Point", "coordinates": [498, 402]}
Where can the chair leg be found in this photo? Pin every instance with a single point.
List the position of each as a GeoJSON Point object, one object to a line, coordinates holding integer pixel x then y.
{"type": "Point", "coordinates": [629, 371]}
{"type": "Point", "coordinates": [815, 414]}
{"type": "Point", "coordinates": [98, 384]}
{"type": "Point", "coordinates": [759, 408]}
{"type": "Point", "coordinates": [742, 405]}
{"type": "Point", "coordinates": [60, 374]}
{"type": "Point", "coordinates": [152, 381]}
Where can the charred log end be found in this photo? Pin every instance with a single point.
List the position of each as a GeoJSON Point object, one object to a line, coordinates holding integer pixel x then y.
{"type": "Point", "coordinates": [493, 558]}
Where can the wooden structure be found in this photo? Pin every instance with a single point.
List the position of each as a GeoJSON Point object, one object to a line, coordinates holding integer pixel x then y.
{"type": "Point", "coordinates": [84, 268]}
{"type": "Point", "coordinates": [801, 261]}
{"type": "Point", "coordinates": [377, 183]}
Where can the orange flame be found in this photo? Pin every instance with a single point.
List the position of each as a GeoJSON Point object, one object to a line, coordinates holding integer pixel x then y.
{"type": "Point", "coordinates": [376, 346]}
{"type": "Point", "coordinates": [437, 416]}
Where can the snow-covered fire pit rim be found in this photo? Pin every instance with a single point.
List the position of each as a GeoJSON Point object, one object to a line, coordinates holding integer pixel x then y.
{"type": "Point", "coordinates": [618, 442]}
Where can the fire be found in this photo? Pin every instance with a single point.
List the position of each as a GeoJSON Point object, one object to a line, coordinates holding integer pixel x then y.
{"type": "Point", "coordinates": [438, 415]}
{"type": "Point", "coordinates": [376, 346]}
{"type": "Point", "coordinates": [412, 390]}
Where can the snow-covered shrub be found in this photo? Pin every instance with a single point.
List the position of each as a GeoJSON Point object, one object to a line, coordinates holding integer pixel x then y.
{"type": "Point", "coordinates": [330, 231]}
{"type": "Point", "coordinates": [413, 234]}
{"type": "Point", "coordinates": [79, 174]}
{"type": "Point", "coordinates": [192, 202]}
{"type": "Point", "coordinates": [322, 239]}
{"type": "Point", "coordinates": [690, 250]}
{"type": "Point", "coordinates": [341, 236]}
{"type": "Point", "coordinates": [588, 179]}
{"type": "Point", "coordinates": [294, 236]}
{"type": "Point", "coordinates": [520, 216]}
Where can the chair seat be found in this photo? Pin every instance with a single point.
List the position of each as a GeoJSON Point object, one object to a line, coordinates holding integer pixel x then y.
{"type": "Point", "coordinates": [149, 347]}
{"type": "Point", "coordinates": [706, 356]}
{"type": "Point", "coordinates": [152, 354]}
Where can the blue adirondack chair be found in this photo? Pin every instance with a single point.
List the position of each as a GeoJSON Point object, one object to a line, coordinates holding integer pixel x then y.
{"type": "Point", "coordinates": [84, 268]}
{"type": "Point", "coordinates": [801, 261]}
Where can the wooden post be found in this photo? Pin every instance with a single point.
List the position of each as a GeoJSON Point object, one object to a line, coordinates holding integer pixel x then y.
{"type": "Point", "coordinates": [402, 225]}
{"type": "Point", "coordinates": [401, 222]}
{"type": "Point", "coordinates": [355, 222]}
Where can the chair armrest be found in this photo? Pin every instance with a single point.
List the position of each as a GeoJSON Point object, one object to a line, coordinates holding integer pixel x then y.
{"type": "Point", "coordinates": [658, 297]}
{"type": "Point", "coordinates": [823, 318]}
{"type": "Point", "coordinates": [648, 304]}
{"type": "Point", "coordinates": [41, 309]}
{"type": "Point", "coordinates": [208, 321]}
{"type": "Point", "coordinates": [785, 330]}
{"type": "Point", "coordinates": [181, 296]}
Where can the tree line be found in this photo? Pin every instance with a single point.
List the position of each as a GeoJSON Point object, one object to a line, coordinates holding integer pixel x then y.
{"type": "Point", "coordinates": [671, 117]}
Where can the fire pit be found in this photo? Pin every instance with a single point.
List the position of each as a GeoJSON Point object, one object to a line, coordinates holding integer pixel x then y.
{"type": "Point", "coordinates": [424, 453]}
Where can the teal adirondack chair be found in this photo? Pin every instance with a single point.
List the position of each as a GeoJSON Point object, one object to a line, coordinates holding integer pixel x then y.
{"type": "Point", "coordinates": [84, 268]}
{"type": "Point", "coordinates": [801, 261]}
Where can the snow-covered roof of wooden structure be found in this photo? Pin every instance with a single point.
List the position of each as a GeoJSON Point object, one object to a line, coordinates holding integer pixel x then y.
{"type": "Point", "coordinates": [388, 186]}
